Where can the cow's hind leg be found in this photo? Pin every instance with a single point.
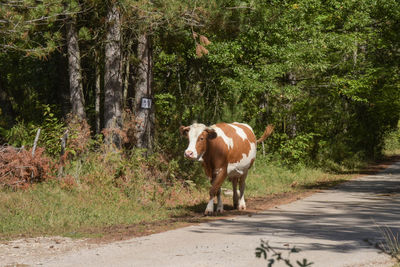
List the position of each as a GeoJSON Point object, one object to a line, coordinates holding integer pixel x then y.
{"type": "Point", "coordinates": [242, 186]}
{"type": "Point", "coordinates": [220, 204]}
{"type": "Point", "coordinates": [235, 194]}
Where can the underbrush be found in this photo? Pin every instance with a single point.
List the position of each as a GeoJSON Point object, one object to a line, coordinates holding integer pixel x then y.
{"type": "Point", "coordinates": [98, 190]}
{"type": "Point", "coordinates": [392, 143]}
{"type": "Point", "coordinates": [91, 186]}
{"type": "Point", "coordinates": [19, 167]}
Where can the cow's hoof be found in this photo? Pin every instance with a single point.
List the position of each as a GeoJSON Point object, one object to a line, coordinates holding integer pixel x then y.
{"type": "Point", "coordinates": [242, 207]}
{"type": "Point", "coordinates": [220, 210]}
{"type": "Point", "coordinates": [208, 213]}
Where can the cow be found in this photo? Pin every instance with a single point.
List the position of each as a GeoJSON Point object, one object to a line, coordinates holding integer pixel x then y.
{"type": "Point", "coordinates": [225, 150]}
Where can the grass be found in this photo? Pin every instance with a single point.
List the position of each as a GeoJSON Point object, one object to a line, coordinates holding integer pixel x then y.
{"type": "Point", "coordinates": [391, 243]}
{"type": "Point", "coordinates": [108, 191]}
{"type": "Point", "coordinates": [48, 209]}
{"type": "Point", "coordinates": [272, 178]}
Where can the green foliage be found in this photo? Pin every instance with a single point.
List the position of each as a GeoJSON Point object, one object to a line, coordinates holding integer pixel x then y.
{"type": "Point", "coordinates": [21, 22]}
{"type": "Point", "coordinates": [392, 142]}
{"type": "Point", "coordinates": [51, 131]}
{"type": "Point", "coordinates": [22, 134]}
{"type": "Point", "coordinates": [297, 149]}
{"type": "Point", "coordinates": [19, 135]}
{"type": "Point", "coordinates": [324, 73]}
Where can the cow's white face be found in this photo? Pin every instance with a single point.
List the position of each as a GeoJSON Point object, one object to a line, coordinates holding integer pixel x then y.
{"type": "Point", "coordinates": [197, 135]}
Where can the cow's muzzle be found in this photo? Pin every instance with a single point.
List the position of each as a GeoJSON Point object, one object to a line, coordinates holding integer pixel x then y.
{"type": "Point", "coordinates": [189, 155]}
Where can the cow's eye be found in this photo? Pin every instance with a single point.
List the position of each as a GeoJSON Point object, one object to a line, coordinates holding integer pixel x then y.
{"type": "Point", "coordinates": [201, 138]}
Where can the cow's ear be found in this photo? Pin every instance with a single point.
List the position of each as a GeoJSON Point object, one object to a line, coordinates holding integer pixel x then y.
{"type": "Point", "coordinates": [184, 130]}
{"type": "Point", "coordinates": [211, 133]}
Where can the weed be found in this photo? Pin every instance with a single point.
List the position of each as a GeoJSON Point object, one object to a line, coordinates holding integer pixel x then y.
{"type": "Point", "coordinates": [391, 244]}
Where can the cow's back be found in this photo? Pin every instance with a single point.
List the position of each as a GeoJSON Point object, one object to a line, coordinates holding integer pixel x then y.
{"type": "Point", "coordinates": [238, 142]}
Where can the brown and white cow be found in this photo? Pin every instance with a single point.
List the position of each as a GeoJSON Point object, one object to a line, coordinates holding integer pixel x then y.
{"type": "Point", "coordinates": [225, 150]}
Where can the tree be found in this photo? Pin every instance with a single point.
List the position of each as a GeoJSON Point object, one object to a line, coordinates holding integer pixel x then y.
{"type": "Point", "coordinates": [144, 89]}
{"type": "Point", "coordinates": [151, 18]}
{"type": "Point", "coordinates": [325, 73]}
{"type": "Point", "coordinates": [75, 72]}
{"type": "Point", "coordinates": [112, 75]}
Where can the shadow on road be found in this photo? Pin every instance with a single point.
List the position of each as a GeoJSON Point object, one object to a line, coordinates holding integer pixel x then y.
{"type": "Point", "coordinates": [350, 213]}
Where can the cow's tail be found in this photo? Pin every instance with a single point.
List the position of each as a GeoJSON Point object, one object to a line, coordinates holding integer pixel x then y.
{"type": "Point", "coordinates": [268, 131]}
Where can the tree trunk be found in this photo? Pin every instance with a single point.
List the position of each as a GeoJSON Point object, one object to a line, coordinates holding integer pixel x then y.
{"type": "Point", "coordinates": [97, 93]}
{"type": "Point", "coordinates": [291, 126]}
{"type": "Point", "coordinates": [112, 76]}
{"type": "Point", "coordinates": [144, 130]}
{"type": "Point", "coordinates": [75, 72]}
{"type": "Point", "coordinates": [126, 75]}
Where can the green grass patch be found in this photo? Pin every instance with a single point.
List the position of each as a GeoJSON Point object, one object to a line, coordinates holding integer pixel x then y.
{"type": "Point", "coordinates": [49, 209]}
{"type": "Point", "coordinates": [268, 177]}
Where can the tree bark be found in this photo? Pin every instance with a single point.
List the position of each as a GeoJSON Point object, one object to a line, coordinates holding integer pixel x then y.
{"type": "Point", "coordinates": [144, 130]}
{"type": "Point", "coordinates": [97, 93]}
{"type": "Point", "coordinates": [126, 75]}
{"type": "Point", "coordinates": [291, 126]}
{"type": "Point", "coordinates": [75, 72]}
{"type": "Point", "coordinates": [112, 75]}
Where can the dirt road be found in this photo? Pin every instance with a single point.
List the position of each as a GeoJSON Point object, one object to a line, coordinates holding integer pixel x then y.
{"type": "Point", "coordinates": [337, 227]}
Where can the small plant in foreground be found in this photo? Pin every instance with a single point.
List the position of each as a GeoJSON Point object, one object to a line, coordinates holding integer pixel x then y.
{"type": "Point", "coordinates": [391, 245]}
{"type": "Point", "coordinates": [264, 250]}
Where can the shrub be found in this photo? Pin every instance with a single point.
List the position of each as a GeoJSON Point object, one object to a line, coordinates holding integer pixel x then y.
{"type": "Point", "coordinates": [296, 150]}
{"type": "Point", "coordinates": [79, 139]}
{"type": "Point", "coordinates": [392, 142]}
{"type": "Point", "coordinates": [52, 128]}
{"type": "Point", "coordinates": [19, 169]}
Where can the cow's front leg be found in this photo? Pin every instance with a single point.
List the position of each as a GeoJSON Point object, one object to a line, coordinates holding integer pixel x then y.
{"type": "Point", "coordinates": [215, 188]}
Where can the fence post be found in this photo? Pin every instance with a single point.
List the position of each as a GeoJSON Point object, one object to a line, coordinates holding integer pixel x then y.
{"type": "Point", "coordinates": [35, 142]}
{"type": "Point", "coordinates": [63, 144]}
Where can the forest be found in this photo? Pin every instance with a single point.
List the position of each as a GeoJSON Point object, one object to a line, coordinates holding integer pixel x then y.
{"type": "Point", "coordinates": [324, 72]}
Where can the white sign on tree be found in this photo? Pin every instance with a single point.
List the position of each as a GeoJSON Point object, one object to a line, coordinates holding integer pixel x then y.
{"type": "Point", "coordinates": [145, 103]}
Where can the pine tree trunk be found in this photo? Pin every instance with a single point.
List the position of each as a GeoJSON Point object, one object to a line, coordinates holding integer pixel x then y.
{"type": "Point", "coordinates": [126, 85]}
{"type": "Point", "coordinates": [97, 93]}
{"type": "Point", "coordinates": [144, 130]}
{"type": "Point", "coordinates": [127, 75]}
{"type": "Point", "coordinates": [75, 72]}
{"type": "Point", "coordinates": [112, 76]}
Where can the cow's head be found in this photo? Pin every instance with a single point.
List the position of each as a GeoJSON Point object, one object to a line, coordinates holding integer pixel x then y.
{"type": "Point", "coordinates": [198, 135]}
